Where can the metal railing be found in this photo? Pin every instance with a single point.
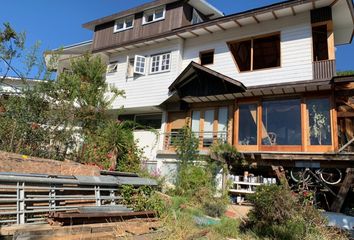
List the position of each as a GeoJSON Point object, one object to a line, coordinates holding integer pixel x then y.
{"type": "Point", "coordinates": [27, 198]}
{"type": "Point", "coordinates": [206, 139]}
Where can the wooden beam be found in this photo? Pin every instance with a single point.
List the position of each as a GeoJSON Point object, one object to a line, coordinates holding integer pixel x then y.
{"type": "Point", "coordinates": [238, 23]}
{"type": "Point", "coordinates": [345, 114]}
{"type": "Point", "coordinates": [194, 34]}
{"type": "Point", "coordinates": [333, 3]}
{"type": "Point", "coordinates": [221, 27]}
{"type": "Point", "coordinates": [180, 37]}
{"type": "Point", "coordinates": [343, 191]}
{"type": "Point", "coordinates": [280, 172]}
{"type": "Point", "coordinates": [256, 19]}
{"type": "Point", "coordinates": [274, 15]}
{"type": "Point", "coordinates": [208, 30]}
{"type": "Point", "coordinates": [313, 4]}
{"type": "Point", "coordinates": [293, 11]}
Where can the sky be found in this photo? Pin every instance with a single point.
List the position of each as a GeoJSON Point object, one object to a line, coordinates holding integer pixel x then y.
{"type": "Point", "coordinates": [58, 23]}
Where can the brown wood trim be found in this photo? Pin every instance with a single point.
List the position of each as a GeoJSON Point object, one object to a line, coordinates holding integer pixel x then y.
{"type": "Point", "coordinates": [304, 124]}
{"type": "Point", "coordinates": [334, 123]}
{"type": "Point", "coordinates": [230, 123]}
{"type": "Point", "coordinates": [285, 148]}
{"type": "Point", "coordinates": [203, 52]}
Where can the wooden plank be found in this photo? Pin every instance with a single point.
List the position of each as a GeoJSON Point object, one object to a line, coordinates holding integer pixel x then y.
{"type": "Point", "coordinates": [343, 191]}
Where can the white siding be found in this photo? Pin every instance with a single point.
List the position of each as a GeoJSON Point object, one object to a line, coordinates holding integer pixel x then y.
{"type": "Point", "coordinates": [146, 90]}
{"type": "Point", "coordinates": [296, 51]}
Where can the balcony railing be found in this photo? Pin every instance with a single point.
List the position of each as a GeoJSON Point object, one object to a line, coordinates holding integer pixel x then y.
{"type": "Point", "coordinates": [206, 139]}
{"type": "Point", "coordinates": [325, 69]}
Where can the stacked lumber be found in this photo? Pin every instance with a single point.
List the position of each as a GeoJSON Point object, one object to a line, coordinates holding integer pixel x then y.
{"type": "Point", "coordinates": [132, 229]}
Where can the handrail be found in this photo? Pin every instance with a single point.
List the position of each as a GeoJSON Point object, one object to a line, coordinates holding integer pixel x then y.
{"type": "Point", "coordinates": [346, 145]}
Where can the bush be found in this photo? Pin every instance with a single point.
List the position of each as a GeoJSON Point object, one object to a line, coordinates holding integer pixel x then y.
{"type": "Point", "coordinates": [214, 208]}
{"type": "Point", "coordinates": [280, 214]}
{"type": "Point", "coordinates": [228, 228]}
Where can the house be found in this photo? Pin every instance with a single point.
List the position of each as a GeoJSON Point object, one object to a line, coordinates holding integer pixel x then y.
{"type": "Point", "coordinates": [263, 80]}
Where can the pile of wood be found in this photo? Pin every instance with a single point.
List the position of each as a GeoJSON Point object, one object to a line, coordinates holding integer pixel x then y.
{"type": "Point", "coordinates": [132, 229]}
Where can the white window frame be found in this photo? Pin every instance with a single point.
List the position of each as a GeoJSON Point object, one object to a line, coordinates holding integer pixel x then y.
{"type": "Point", "coordinates": [112, 67]}
{"type": "Point", "coordinates": [139, 64]}
{"type": "Point", "coordinates": [159, 63]}
{"type": "Point", "coordinates": [196, 15]}
{"type": "Point", "coordinates": [153, 12]}
{"type": "Point", "coordinates": [124, 21]}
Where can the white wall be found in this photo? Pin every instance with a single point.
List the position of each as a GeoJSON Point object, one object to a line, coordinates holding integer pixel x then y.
{"type": "Point", "coordinates": [148, 141]}
{"type": "Point", "coordinates": [150, 89]}
{"type": "Point", "coordinates": [296, 51]}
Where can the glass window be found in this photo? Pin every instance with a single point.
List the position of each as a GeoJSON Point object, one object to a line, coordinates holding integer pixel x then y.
{"type": "Point", "coordinates": [160, 63]}
{"type": "Point", "coordinates": [319, 121]}
{"type": "Point", "coordinates": [242, 54]}
{"type": "Point", "coordinates": [196, 122]}
{"type": "Point", "coordinates": [139, 64]}
{"type": "Point", "coordinates": [319, 42]}
{"type": "Point", "coordinates": [123, 24]}
{"type": "Point", "coordinates": [196, 17]}
{"type": "Point", "coordinates": [281, 120]}
{"type": "Point", "coordinates": [266, 52]}
{"type": "Point", "coordinates": [207, 57]}
{"type": "Point", "coordinates": [222, 124]}
{"type": "Point", "coordinates": [208, 128]}
{"type": "Point", "coordinates": [247, 133]}
{"type": "Point", "coordinates": [154, 15]}
{"type": "Point", "coordinates": [149, 121]}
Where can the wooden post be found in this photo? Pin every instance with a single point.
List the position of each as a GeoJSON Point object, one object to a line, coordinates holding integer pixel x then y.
{"type": "Point", "coordinates": [343, 191]}
{"type": "Point", "coordinates": [279, 171]}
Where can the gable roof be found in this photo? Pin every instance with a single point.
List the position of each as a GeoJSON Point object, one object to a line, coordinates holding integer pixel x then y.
{"type": "Point", "coordinates": [199, 81]}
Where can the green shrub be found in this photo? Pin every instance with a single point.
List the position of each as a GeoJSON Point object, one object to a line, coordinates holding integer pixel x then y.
{"type": "Point", "coordinates": [228, 228]}
{"type": "Point", "coordinates": [214, 208]}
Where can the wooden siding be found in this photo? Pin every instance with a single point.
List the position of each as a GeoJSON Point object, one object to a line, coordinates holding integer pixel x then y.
{"type": "Point", "coordinates": [145, 90]}
{"type": "Point", "coordinates": [296, 51]}
{"type": "Point", "coordinates": [105, 37]}
{"type": "Point", "coordinates": [324, 69]}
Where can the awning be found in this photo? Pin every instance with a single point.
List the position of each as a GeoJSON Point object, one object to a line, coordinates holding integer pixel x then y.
{"type": "Point", "coordinates": [198, 83]}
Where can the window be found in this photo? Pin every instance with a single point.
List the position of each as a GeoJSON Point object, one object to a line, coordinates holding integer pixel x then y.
{"type": "Point", "coordinates": [281, 120]}
{"type": "Point", "coordinates": [160, 63]}
{"type": "Point", "coordinates": [319, 41]}
{"type": "Point", "coordinates": [124, 24]}
{"type": "Point", "coordinates": [206, 57]}
{"type": "Point", "coordinates": [149, 121]}
{"type": "Point", "coordinates": [139, 64]}
{"type": "Point", "coordinates": [112, 67]}
{"type": "Point", "coordinates": [154, 15]}
{"type": "Point", "coordinates": [196, 17]}
{"type": "Point", "coordinates": [210, 123]}
{"type": "Point", "coordinates": [319, 121]}
{"type": "Point", "coordinates": [247, 133]}
{"type": "Point", "coordinates": [265, 51]}
{"type": "Point", "coordinates": [130, 68]}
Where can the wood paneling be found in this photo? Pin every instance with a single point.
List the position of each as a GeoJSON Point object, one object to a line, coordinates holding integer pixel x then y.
{"type": "Point", "coordinates": [325, 69]}
{"type": "Point", "coordinates": [105, 37]}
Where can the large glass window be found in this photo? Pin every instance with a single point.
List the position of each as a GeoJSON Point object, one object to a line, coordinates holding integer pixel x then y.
{"type": "Point", "coordinates": [149, 121]}
{"type": "Point", "coordinates": [265, 50]}
{"type": "Point", "coordinates": [208, 128]}
{"type": "Point", "coordinates": [247, 134]}
{"type": "Point", "coordinates": [319, 121]}
{"type": "Point", "coordinates": [281, 120]}
{"type": "Point", "coordinates": [160, 63]}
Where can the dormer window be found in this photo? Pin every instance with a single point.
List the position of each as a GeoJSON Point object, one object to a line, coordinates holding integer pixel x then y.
{"type": "Point", "coordinates": [196, 17]}
{"type": "Point", "coordinates": [154, 15]}
{"type": "Point", "coordinates": [124, 24]}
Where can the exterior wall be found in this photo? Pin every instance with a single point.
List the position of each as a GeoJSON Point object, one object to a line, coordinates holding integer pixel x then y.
{"type": "Point", "coordinates": [149, 142]}
{"type": "Point", "coordinates": [145, 90]}
{"type": "Point", "coordinates": [296, 51]}
{"type": "Point", "coordinates": [105, 37]}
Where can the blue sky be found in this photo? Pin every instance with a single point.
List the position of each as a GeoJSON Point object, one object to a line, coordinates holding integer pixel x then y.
{"type": "Point", "coordinates": [58, 23]}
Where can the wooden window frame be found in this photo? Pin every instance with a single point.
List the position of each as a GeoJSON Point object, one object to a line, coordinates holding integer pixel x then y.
{"type": "Point", "coordinates": [330, 40]}
{"type": "Point", "coordinates": [229, 43]}
{"type": "Point", "coordinates": [124, 21]}
{"type": "Point", "coordinates": [305, 146]}
{"type": "Point", "coordinates": [205, 52]}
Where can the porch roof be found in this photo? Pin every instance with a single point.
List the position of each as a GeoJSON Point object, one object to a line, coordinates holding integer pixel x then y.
{"type": "Point", "coordinates": [197, 81]}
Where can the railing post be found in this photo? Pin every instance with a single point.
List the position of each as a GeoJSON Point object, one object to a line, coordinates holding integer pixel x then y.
{"type": "Point", "coordinates": [52, 196]}
{"type": "Point", "coordinates": [21, 205]}
{"type": "Point", "coordinates": [98, 195]}
{"type": "Point", "coordinates": [112, 195]}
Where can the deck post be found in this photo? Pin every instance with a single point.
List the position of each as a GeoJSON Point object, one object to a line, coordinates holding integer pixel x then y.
{"type": "Point", "coordinates": [343, 191]}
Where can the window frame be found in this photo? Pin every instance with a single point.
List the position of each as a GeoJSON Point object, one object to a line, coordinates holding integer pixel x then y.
{"type": "Point", "coordinates": [112, 67]}
{"type": "Point", "coordinates": [153, 12]}
{"type": "Point", "coordinates": [160, 56]}
{"type": "Point", "coordinates": [229, 43]}
{"type": "Point", "coordinates": [206, 52]}
{"type": "Point", "coordinates": [136, 60]}
{"type": "Point", "coordinates": [124, 20]}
